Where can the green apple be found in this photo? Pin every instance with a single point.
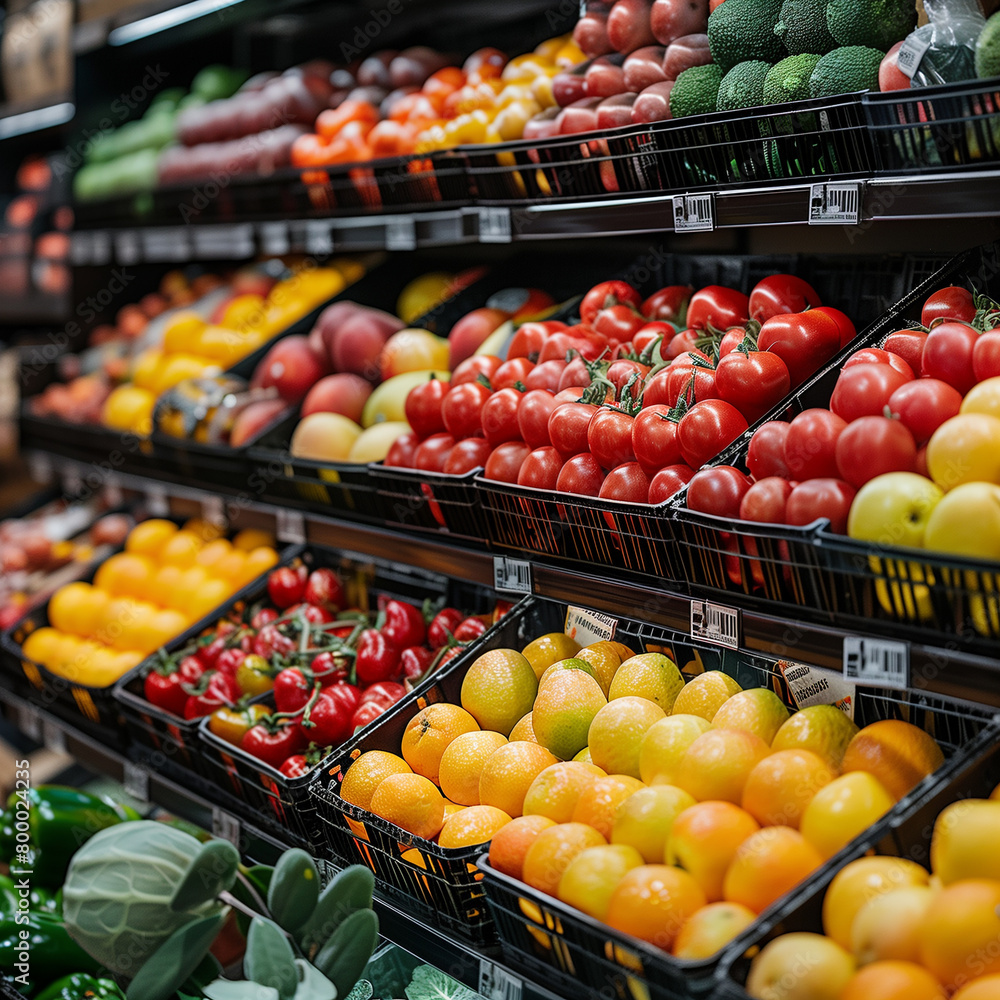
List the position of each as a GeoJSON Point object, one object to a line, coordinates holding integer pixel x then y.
{"type": "Point", "coordinates": [894, 509]}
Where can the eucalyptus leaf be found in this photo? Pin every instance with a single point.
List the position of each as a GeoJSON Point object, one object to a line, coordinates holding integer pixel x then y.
{"type": "Point", "coordinates": [269, 959]}
{"type": "Point", "coordinates": [176, 959]}
{"type": "Point", "coordinates": [313, 985]}
{"type": "Point", "coordinates": [242, 989]}
{"type": "Point", "coordinates": [212, 871]}
{"type": "Point", "coordinates": [294, 889]}
{"type": "Point", "coordinates": [349, 891]}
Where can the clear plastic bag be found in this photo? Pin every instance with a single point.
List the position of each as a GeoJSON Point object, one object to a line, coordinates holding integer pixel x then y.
{"type": "Point", "coordinates": [944, 49]}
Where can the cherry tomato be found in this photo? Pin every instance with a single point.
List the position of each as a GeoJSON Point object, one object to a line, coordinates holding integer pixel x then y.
{"type": "Point", "coordinates": [468, 454]}
{"type": "Point", "coordinates": [847, 329]}
{"type": "Point", "coordinates": [404, 624]}
{"type": "Point", "coordinates": [365, 713]}
{"type": "Point", "coordinates": [604, 296]}
{"type": "Point", "coordinates": [670, 303]}
{"type": "Point", "coordinates": [669, 481]}
{"type": "Point", "coordinates": [415, 662]}
{"type": "Point", "coordinates": [462, 410]}
{"type": "Point", "coordinates": [327, 721]}
{"type": "Point", "coordinates": [404, 448]}
{"type": "Point", "coordinates": [618, 322]}
{"type": "Point", "coordinates": [717, 307]}
{"type": "Point", "coordinates": [950, 303]}
{"type": "Point", "coordinates": [781, 293]}
{"type": "Point", "coordinates": [546, 375]}
{"type": "Point", "coordinates": [568, 424]}
{"type": "Point", "coordinates": [908, 345]}
{"type": "Point", "coordinates": [500, 416]}
{"type": "Point", "coordinates": [329, 667]}
{"type": "Point", "coordinates": [323, 588]}
{"type": "Point", "coordinates": [423, 407]}
{"type": "Point", "coordinates": [924, 404]}
{"type": "Point", "coordinates": [212, 691]}
{"type": "Point", "coordinates": [471, 628]}
{"type": "Point", "coordinates": [271, 641]}
{"type": "Point", "coordinates": [274, 743]}
{"type": "Point", "coordinates": [443, 626]}
{"type": "Point", "coordinates": [209, 652]}
{"type": "Point", "coordinates": [609, 437]}
{"type": "Point", "coordinates": [871, 446]}
{"type": "Point", "coordinates": [383, 693]}
{"type": "Point", "coordinates": [229, 660]}
{"type": "Point", "coordinates": [311, 613]}
{"type": "Point", "coordinates": [164, 686]}
{"type": "Point", "coordinates": [707, 428]}
{"type": "Point", "coordinates": [510, 373]}
{"type": "Point", "coordinates": [540, 470]}
{"type": "Point", "coordinates": [533, 412]}
{"type": "Point", "coordinates": [582, 474]}
{"type": "Point", "coordinates": [948, 355]}
{"type": "Point", "coordinates": [232, 724]}
{"type": "Point", "coordinates": [766, 500]}
{"type": "Point", "coordinates": [829, 498]}
{"type": "Point", "coordinates": [654, 439]}
{"type": "Point", "coordinates": [986, 355]}
{"type": "Point", "coordinates": [718, 491]}
{"type": "Point", "coordinates": [285, 585]}
{"type": "Point", "coordinates": [432, 454]}
{"type": "Point", "coordinates": [811, 442]}
{"type": "Point", "coordinates": [264, 617]}
{"type": "Point", "coordinates": [804, 341]}
{"type": "Point", "coordinates": [864, 390]}
{"type": "Point", "coordinates": [377, 659]}
{"type": "Point", "coordinates": [766, 451]}
{"type": "Point", "coordinates": [753, 382]}
{"type": "Point", "coordinates": [628, 482]}
{"type": "Point", "coordinates": [254, 675]}
{"type": "Point", "coordinates": [471, 368]}
{"type": "Point", "coordinates": [296, 766]}
{"type": "Point", "coordinates": [505, 462]}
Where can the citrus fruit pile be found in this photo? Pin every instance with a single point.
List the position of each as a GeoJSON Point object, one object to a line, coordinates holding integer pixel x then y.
{"type": "Point", "coordinates": [166, 580]}
{"type": "Point", "coordinates": [896, 931]}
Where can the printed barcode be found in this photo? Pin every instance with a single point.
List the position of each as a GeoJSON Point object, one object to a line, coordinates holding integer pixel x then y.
{"type": "Point", "coordinates": [496, 983]}
{"type": "Point", "coordinates": [876, 661]}
{"type": "Point", "coordinates": [724, 624]}
{"type": "Point", "coordinates": [715, 623]}
{"type": "Point", "coordinates": [693, 213]}
{"type": "Point", "coordinates": [513, 575]}
{"type": "Point", "coordinates": [835, 204]}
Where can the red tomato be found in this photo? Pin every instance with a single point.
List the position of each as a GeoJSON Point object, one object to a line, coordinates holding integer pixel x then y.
{"type": "Point", "coordinates": [645, 340]}
{"type": "Point", "coordinates": [404, 624]}
{"type": "Point", "coordinates": [654, 439]}
{"type": "Point", "coordinates": [285, 586]}
{"type": "Point", "coordinates": [670, 303]}
{"type": "Point", "coordinates": [950, 303]}
{"type": "Point", "coordinates": [604, 296]}
{"type": "Point", "coordinates": [528, 341]}
{"type": "Point", "coordinates": [871, 446]}
{"type": "Point", "coordinates": [766, 451]}
{"type": "Point", "coordinates": [324, 588]}
{"type": "Point", "coordinates": [575, 373]}
{"type": "Point", "coordinates": [533, 413]}
{"type": "Point", "coordinates": [686, 340]}
{"type": "Point", "coordinates": [781, 293]}
{"type": "Point", "coordinates": [707, 428]}
{"type": "Point", "coordinates": [948, 355]}
{"type": "Point", "coordinates": [628, 482]}
{"type": "Point", "coordinates": [296, 766]}
{"type": "Point", "coordinates": [909, 345]}
{"type": "Point", "coordinates": [581, 474]}
{"type": "Point", "coordinates": [328, 720]}
{"type": "Point", "coordinates": [270, 641]}
{"type": "Point", "coordinates": [442, 626]}
{"type": "Point", "coordinates": [766, 500]}
{"type": "Point", "coordinates": [732, 339]}
{"type": "Point", "coordinates": [924, 404]}
{"type": "Point", "coordinates": [872, 355]}
{"type": "Point", "coordinates": [986, 355]}
{"type": "Point", "coordinates": [804, 341]}
{"type": "Point", "coordinates": [669, 481]}
{"type": "Point", "coordinates": [753, 382]}
{"type": "Point", "coordinates": [618, 322]}
{"type": "Point", "coordinates": [506, 461]}
{"type": "Point", "coordinates": [471, 368]}
{"type": "Point", "coordinates": [511, 372]}
{"type": "Point", "coordinates": [921, 463]}
{"type": "Point", "coordinates": [377, 659]}
{"type": "Point", "coordinates": [546, 375]}
{"type": "Point", "coordinates": [811, 442]}
{"type": "Point", "coordinates": [469, 629]}
{"type": "Point", "coordinates": [423, 407]}
{"type": "Point", "coordinates": [622, 372]}
{"type": "Point", "coordinates": [214, 691]}
{"type": "Point", "coordinates": [500, 416]}
{"type": "Point", "coordinates": [559, 346]}
{"type": "Point", "coordinates": [468, 454]}
{"type": "Point", "coordinates": [694, 383]}
{"type": "Point", "coordinates": [166, 690]}
{"type": "Point", "coordinates": [292, 689]}
{"type": "Point", "coordinates": [864, 390]}
{"type": "Point", "coordinates": [847, 329]}
{"type": "Point", "coordinates": [656, 392]}
{"type": "Point", "coordinates": [274, 745]}
{"type": "Point", "coordinates": [718, 491]}
{"type": "Point", "coordinates": [462, 410]}
{"type": "Point", "coordinates": [609, 437]}
{"type": "Point", "coordinates": [262, 618]}
{"type": "Point", "coordinates": [829, 498]}
{"type": "Point", "coordinates": [540, 470]}
{"type": "Point", "coordinates": [718, 307]}
{"type": "Point", "coordinates": [432, 454]}
{"type": "Point", "coordinates": [568, 425]}
{"type": "Point", "coordinates": [403, 451]}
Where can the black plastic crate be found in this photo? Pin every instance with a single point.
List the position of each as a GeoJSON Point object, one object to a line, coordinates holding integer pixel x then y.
{"type": "Point", "coordinates": [905, 835]}
{"type": "Point", "coordinates": [554, 941]}
{"type": "Point", "coordinates": [262, 792]}
{"type": "Point", "coordinates": [946, 127]}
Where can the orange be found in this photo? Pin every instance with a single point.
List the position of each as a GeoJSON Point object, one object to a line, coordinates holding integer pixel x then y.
{"type": "Point", "coordinates": [704, 840]}
{"type": "Point", "coordinates": [616, 734]}
{"type": "Point", "coordinates": [126, 575]}
{"type": "Point", "coordinates": [711, 928]}
{"type": "Point", "coordinates": [499, 688]}
{"type": "Point", "coordinates": [555, 791]}
{"type": "Point", "coordinates": [259, 561]}
{"type": "Point", "coordinates": [552, 851]}
{"type": "Point", "coordinates": [41, 645]}
{"type": "Point", "coordinates": [232, 568]}
{"type": "Point", "coordinates": [181, 549]}
{"type": "Point", "coordinates": [843, 810]}
{"type": "Point", "coordinates": [653, 903]}
{"type": "Point", "coordinates": [758, 710]}
{"type": "Point", "coordinates": [77, 608]}
{"type": "Point", "coordinates": [591, 878]}
{"type": "Point", "coordinates": [705, 695]}
{"type": "Point", "coordinates": [149, 537]}
{"type": "Point", "coordinates": [167, 586]}
{"type": "Point", "coordinates": [644, 820]}
{"type": "Point", "coordinates": [212, 553]}
{"type": "Point", "coordinates": [964, 842]}
{"type": "Point", "coordinates": [652, 676]}
{"type": "Point", "coordinates": [599, 802]}
{"type": "Point", "coordinates": [824, 729]}
{"type": "Point", "coordinates": [510, 844]}
{"type": "Point", "coordinates": [462, 762]}
{"type": "Point", "coordinates": [412, 802]}
{"type": "Point", "coordinates": [664, 744]}
{"type": "Point", "coordinates": [475, 825]}
{"type": "Point", "coordinates": [857, 883]}
{"type": "Point", "coordinates": [430, 732]}
{"type": "Point", "coordinates": [897, 753]}
{"type": "Point", "coordinates": [717, 764]}
{"type": "Point", "coordinates": [768, 864]}
{"type": "Point", "coordinates": [508, 773]}
{"type": "Point", "coordinates": [161, 627]}
{"type": "Point", "coordinates": [961, 930]}
{"type": "Point", "coordinates": [523, 731]}
{"type": "Point", "coordinates": [364, 775]}
{"type": "Point", "coordinates": [981, 988]}
{"type": "Point", "coordinates": [564, 708]}
{"type": "Point", "coordinates": [203, 529]}
{"type": "Point", "coordinates": [605, 659]}
{"type": "Point", "coordinates": [206, 597]}
{"type": "Point", "coordinates": [892, 981]}
{"type": "Point", "coordinates": [780, 786]}
{"type": "Point", "coordinates": [573, 663]}
{"type": "Point", "coordinates": [251, 538]}
{"type": "Point", "coordinates": [450, 808]}
{"type": "Point", "coordinates": [547, 649]}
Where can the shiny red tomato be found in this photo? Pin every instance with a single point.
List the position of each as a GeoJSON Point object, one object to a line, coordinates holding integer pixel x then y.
{"type": "Point", "coordinates": [559, 347]}
{"type": "Point", "coordinates": [690, 381]}
{"type": "Point", "coordinates": [528, 341]}
{"type": "Point", "coordinates": [366, 713]}
{"type": "Point", "coordinates": [285, 585]}
{"type": "Point", "coordinates": [864, 390]}
{"type": "Point", "coordinates": [781, 293]}
{"type": "Point", "coordinates": [581, 474]}
{"type": "Point", "coordinates": [707, 428]}
{"type": "Point", "coordinates": [948, 355]}
{"type": "Point", "coordinates": [848, 331]}
{"type": "Point", "coordinates": [540, 470]}
{"type": "Point", "coordinates": [212, 691]}
{"type": "Point", "coordinates": [872, 446]}
{"type": "Point", "coordinates": [500, 416]}
{"type": "Point", "coordinates": [718, 491]}
{"type": "Point", "coordinates": [670, 303]}
{"type": "Point", "coordinates": [829, 498]}
{"type": "Point", "coordinates": [618, 322]}
{"type": "Point", "coordinates": [423, 407]}
{"type": "Point", "coordinates": [766, 500]}
{"type": "Point", "coordinates": [324, 588]}
{"type": "Point", "coordinates": [950, 303]}
{"type": "Point", "coordinates": [924, 404]}
{"type": "Point", "coordinates": [472, 368]}
{"type": "Point", "coordinates": [575, 373]}
{"type": "Point", "coordinates": [669, 481]}
{"type": "Point", "coordinates": [656, 391]}
{"type": "Point", "coordinates": [432, 454]}
{"type": "Point", "coordinates": [732, 339]}
{"type": "Point", "coordinates": [505, 462]}
{"type": "Point", "coordinates": [274, 743]}
{"type": "Point", "coordinates": [804, 341]}
{"type": "Point", "coordinates": [605, 295]}
{"type": "Point", "coordinates": [292, 689]}
{"type": "Point", "coordinates": [533, 412]}
{"type": "Point", "coordinates": [628, 482]}
{"type": "Point", "coordinates": [686, 340]}
{"type": "Point", "coordinates": [468, 454]}
{"type": "Point", "coordinates": [296, 766]}
{"type": "Point", "coordinates": [717, 307]}
{"type": "Point", "coordinates": [623, 372]}
{"type": "Point", "coordinates": [568, 425]}
{"type": "Point", "coordinates": [873, 355]}
{"type": "Point", "coordinates": [545, 375]}
{"type": "Point", "coordinates": [909, 345]}
{"type": "Point", "coordinates": [403, 451]}
{"type": "Point", "coordinates": [644, 341]}
{"type": "Point", "coordinates": [609, 437]}
{"type": "Point", "coordinates": [386, 693]}
{"type": "Point", "coordinates": [766, 451]}
{"type": "Point", "coordinates": [511, 372]}
{"type": "Point", "coordinates": [811, 442]}
{"type": "Point", "coordinates": [754, 382]}
{"type": "Point", "coordinates": [462, 410]}
{"type": "Point", "coordinates": [986, 355]}
{"type": "Point", "coordinates": [654, 439]}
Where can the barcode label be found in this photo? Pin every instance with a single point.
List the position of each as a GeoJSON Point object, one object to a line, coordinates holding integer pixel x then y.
{"type": "Point", "coordinates": [53, 736]}
{"type": "Point", "coordinates": [223, 242]}
{"type": "Point", "coordinates": [166, 244]}
{"type": "Point", "coordinates": [128, 248]}
{"type": "Point", "coordinates": [319, 237]}
{"type": "Point", "coordinates": [156, 502]}
{"type": "Point", "coordinates": [694, 213]}
{"type": "Point", "coordinates": [29, 720]}
{"type": "Point", "coordinates": [274, 238]}
{"type": "Point", "coordinates": [589, 626]}
{"type": "Point", "coordinates": [835, 204]}
{"type": "Point", "coordinates": [290, 527]}
{"type": "Point", "coordinates": [400, 233]}
{"type": "Point", "coordinates": [225, 827]}
{"type": "Point", "coordinates": [512, 576]}
{"type": "Point", "coordinates": [715, 623]}
{"type": "Point", "coordinates": [135, 781]}
{"type": "Point", "coordinates": [877, 662]}
{"type": "Point", "coordinates": [214, 511]}
{"type": "Point", "coordinates": [496, 983]}
{"type": "Point", "coordinates": [814, 686]}
{"type": "Point", "coordinates": [494, 225]}
{"type": "Point", "coordinates": [911, 55]}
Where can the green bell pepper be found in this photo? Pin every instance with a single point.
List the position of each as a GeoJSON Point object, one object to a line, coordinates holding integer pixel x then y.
{"type": "Point", "coordinates": [80, 986]}
{"type": "Point", "coordinates": [39, 900]}
{"type": "Point", "coordinates": [51, 952]}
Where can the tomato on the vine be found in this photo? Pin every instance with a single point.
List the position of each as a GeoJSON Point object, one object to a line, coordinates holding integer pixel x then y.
{"type": "Point", "coordinates": [443, 626]}
{"type": "Point", "coordinates": [717, 307]}
{"type": "Point", "coordinates": [618, 322]}
{"type": "Point", "coordinates": [654, 439]}
{"type": "Point", "coordinates": [804, 341]}
{"type": "Point", "coordinates": [469, 629]}
{"type": "Point", "coordinates": [670, 303]}
{"type": "Point", "coordinates": [327, 721]}
{"type": "Point", "coordinates": [644, 340]}
{"type": "Point", "coordinates": [609, 437]}
{"type": "Point", "coordinates": [952, 303]}
{"type": "Point", "coordinates": [691, 380]}
{"type": "Point", "coordinates": [274, 742]}
{"type": "Point", "coordinates": [270, 641]}
{"type": "Point", "coordinates": [707, 428]}
{"type": "Point", "coordinates": [254, 675]}
{"type": "Point", "coordinates": [263, 617]}
{"type": "Point", "coordinates": [753, 381]}
{"type": "Point", "coordinates": [286, 585]}
{"type": "Point", "coordinates": [605, 295]}
{"type": "Point", "coordinates": [211, 692]}
{"type": "Point", "coordinates": [296, 766]}
{"type": "Point", "coordinates": [781, 293]}
{"type": "Point", "coordinates": [229, 660]}
{"type": "Point", "coordinates": [292, 689]}
{"type": "Point", "coordinates": [423, 406]}
{"type": "Point", "coordinates": [377, 659]}
{"type": "Point", "coordinates": [232, 724]}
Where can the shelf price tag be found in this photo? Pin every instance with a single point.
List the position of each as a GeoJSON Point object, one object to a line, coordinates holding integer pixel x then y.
{"type": "Point", "coordinates": [877, 662]}
{"type": "Point", "coordinates": [29, 721]}
{"type": "Point", "coordinates": [215, 242]}
{"type": "Point", "coordinates": [512, 576]}
{"type": "Point", "coordinates": [400, 233]}
{"type": "Point", "coordinates": [589, 626]}
{"type": "Point", "coordinates": [274, 238]}
{"type": "Point", "coordinates": [166, 244]}
{"type": "Point", "coordinates": [128, 247]}
{"type": "Point", "coordinates": [156, 502]}
{"type": "Point", "coordinates": [290, 526]}
{"type": "Point", "coordinates": [213, 510]}
{"type": "Point", "coordinates": [494, 225]}
{"type": "Point", "coordinates": [694, 213]}
{"type": "Point", "coordinates": [319, 237]}
{"type": "Point", "coordinates": [53, 736]}
{"type": "Point", "coordinates": [835, 204]}
{"type": "Point", "coordinates": [225, 827]}
{"type": "Point", "coordinates": [135, 781]}
{"type": "Point", "coordinates": [716, 624]}
{"type": "Point", "coordinates": [496, 983]}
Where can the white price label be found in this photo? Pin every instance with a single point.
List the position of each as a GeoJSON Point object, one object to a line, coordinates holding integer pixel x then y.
{"type": "Point", "coordinates": [40, 468]}
{"type": "Point", "coordinates": [29, 721]}
{"type": "Point", "coordinates": [224, 242]}
{"type": "Point", "coordinates": [274, 238]}
{"type": "Point", "coordinates": [512, 576]}
{"type": "Point", "coordinates": [835, 204]}
{"type": "Point", "coordinates": [400, 233]}
{"type": "Point", "coordinates": [694, 213]}
{"type": "Point", "coordinates": [715, 623]}
{"type": "Point", "coordinates": [81, 249]}
{"type": "Point", "coordinates": [53, 736]}
{"type": "Point", "coordinates": [319, 237]}
{"type": "Point", "coordinates": [225, 826]}
{"type": "Point", "coordinates": [589, 626]}
{"type": "Point", "coordinates": [290, 527]}
{"type": "Point", "coordinates": [213, 510]}
{"type": "Point", "coordinates": [877, 662]}
{"type": "Point", "coordinates": [135, 781]}
{"type": "Point", "coordinates": [496, 983]}
{"type": "Point", "coordinates": [156, 502]}
{"type": "Point", "coordinates": [128, 247]}
{"type": "Point", "coordinates": [816, 686]}
{"type": "Point", "coordinates": [494, 225]}
{"type": "Point", "coordinates": [171, 244]}
{"type": "Point", "coordinates": [911, 54]}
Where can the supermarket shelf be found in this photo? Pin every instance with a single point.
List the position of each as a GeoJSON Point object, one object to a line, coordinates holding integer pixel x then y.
{"type": "Point", "coordinates": [34, 309]}
{"type": "Point", "coordinates": [20, 120]}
